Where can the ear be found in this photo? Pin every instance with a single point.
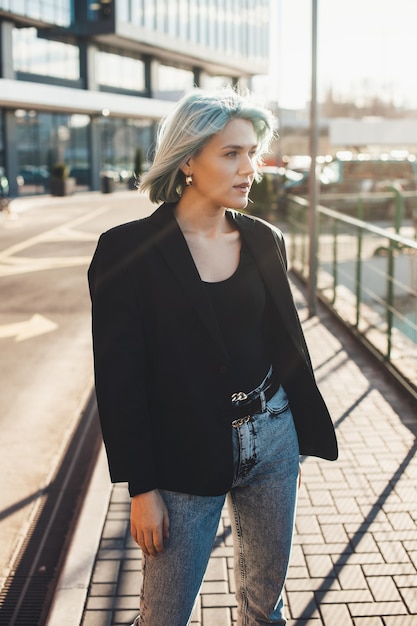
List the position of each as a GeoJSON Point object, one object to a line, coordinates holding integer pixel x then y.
{"type": "Point", "coordinates": [186, 168]}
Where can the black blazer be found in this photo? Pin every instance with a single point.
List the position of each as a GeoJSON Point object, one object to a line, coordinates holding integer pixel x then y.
{"type": "Point", "coordinates": [161, 368]}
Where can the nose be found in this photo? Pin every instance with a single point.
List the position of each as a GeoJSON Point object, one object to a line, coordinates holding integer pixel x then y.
{"type": "Point", "coordinates": [247, 166]}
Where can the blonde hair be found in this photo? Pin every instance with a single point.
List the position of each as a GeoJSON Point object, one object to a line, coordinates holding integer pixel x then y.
{"type": "Point", "coordinates": [184, 132]}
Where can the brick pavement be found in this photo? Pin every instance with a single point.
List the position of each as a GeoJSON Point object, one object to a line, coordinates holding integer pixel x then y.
{"type": "Point", "coordinates": [354, 560]}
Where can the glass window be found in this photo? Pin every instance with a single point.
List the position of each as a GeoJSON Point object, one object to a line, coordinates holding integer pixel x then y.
{"type": "Point", "coordinates": [162, 15]}
{"type": "Point", "coordinates": [204, 22]}
{"type": "Point", "coordinates": [51, 11]}
{"type": "Point", "coordinates": [48, 138]}
{"type": "Point", "coordinates": [216, 82]}
{"type": "Point", "coordinates": [121, 72]}
{"type": "Point", "coordinates": [120, 141]}
{"type": "Point", "coordinates": [173, 18]}
{"type": "Point", "coordinates": [149, 14]}
{"type": "Point", "coordinates": [2, 172]}
{"type": "Point", "coordinates": [44, 139]}
{"type": "Point", "coordinates": [124, 10]}
{"type": "Point", "coordinates": [43, 57]}
{"type": "Point", "coordinates": [173, 82]}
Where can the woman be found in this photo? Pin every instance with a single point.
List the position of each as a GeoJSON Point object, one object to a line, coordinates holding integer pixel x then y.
{"type": "Point", "coordinates": [203, 378]}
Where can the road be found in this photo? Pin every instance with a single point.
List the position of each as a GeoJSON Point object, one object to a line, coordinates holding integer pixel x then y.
{"type": "Point", "coordinates": [45, 344]}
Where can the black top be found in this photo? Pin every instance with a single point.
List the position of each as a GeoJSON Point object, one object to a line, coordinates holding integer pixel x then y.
{"type": "Point", "coordinates": [240, 306]}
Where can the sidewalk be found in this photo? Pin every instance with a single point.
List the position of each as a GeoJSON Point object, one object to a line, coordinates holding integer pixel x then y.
{"type": "Point", "coordinates": [354, 560]}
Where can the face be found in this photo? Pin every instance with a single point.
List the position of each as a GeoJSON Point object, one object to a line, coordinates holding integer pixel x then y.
{"type": "Point", "coordinates": [223, 171]}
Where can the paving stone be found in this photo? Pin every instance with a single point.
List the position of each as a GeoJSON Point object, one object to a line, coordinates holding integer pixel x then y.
{"type": "Point", "coordinates": [409, 595]}
{"type": "Point", "coordinates": [392, 569]}
{"type": "Point", "coordinates": [364, 542]}
{"type": "Point", "coordinates": [102, 589]}
{"type": "Point", "coordinates": [124, 617]}
{"type": "Point", "coordinates": [319, 565]}
{"type": "Point", "coordinates": [393, 552]}
{"type": "Point", "coordinates": [413, 557]}
{"type": "Point", "coordinates": [311, 584]}
{"type": "Point", "coordinates": [403, 620]}
{"type": "Point", "coordinates": [115, 528]}
{"type": "Point", "coordinates": [361, 609]}
{"type": "Point", "coordinates": [216, 569]}
{"type": "Point", "coordinates": [302, 604]}
{"type": "Point", "coordinates": [406, 580]}
{"type": "Point", "coordinates": [106, 572]}
{"type": "Point", "coordinates": [298, 572]}
{"type": "Point", "coordinates": [129, 583]}
{"type": "Point", "coordinates": [215, 587]}
{"type": "Point", "coordinates": [343, 596]}
{"type": "Point", "coordinates": [127, 602]}
{"type": "Point", "coordinates": [216, 617]}
{"type": "Point", "coordinates": [100, 603]}
{"type": "Point", "coordinates": [351, 577]}
{"type": "Point", "coordinates": [335, 614]}
{"type": "Point", "coordinates": [383, 588]}
{"type": "Point", "coordinates": [361, 558]}
{"type": "Point", "coordinates": [217, 599]}
{"type": "Point", "coordinates": [97, 618]}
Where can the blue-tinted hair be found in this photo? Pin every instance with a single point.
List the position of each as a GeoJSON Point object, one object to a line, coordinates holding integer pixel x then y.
{"type": "Point", "coordinates": [184, 132]}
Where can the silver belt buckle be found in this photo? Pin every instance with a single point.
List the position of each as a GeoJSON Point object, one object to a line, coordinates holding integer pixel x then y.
{"type": "Point", "coordinates": [239, 396]}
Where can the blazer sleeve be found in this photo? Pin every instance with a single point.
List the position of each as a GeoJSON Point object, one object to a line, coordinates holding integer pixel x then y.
{"type": "Point", "coordinates": [120, 364]}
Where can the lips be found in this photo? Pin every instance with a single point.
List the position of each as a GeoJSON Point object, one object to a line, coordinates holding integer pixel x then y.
{"type": "Point", "coordinates": [243, 186]}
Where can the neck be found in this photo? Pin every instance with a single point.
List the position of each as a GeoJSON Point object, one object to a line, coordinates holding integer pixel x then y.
{"type": "Point", "coordinates": [201, 219]}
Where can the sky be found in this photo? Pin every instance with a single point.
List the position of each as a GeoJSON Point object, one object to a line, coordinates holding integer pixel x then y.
{"type": "Point", "coordinates": [365, 47]}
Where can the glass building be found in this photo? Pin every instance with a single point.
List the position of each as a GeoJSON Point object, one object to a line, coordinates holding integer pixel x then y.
{"type": "Point", "coordinates": [84, 82]}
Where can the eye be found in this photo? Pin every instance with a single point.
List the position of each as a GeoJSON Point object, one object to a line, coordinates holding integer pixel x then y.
{"type": "Point", "coordinates": [232, 153]}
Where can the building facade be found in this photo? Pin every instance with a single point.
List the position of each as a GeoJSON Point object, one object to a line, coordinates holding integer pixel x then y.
{"type": "Point", "coordinates": [84, 82]}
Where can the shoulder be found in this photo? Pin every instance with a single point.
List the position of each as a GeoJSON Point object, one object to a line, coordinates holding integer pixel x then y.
{"type": "Point", "coordinates": [120, 248]}
{"type": "Point", "coordinates": [124, 233]}
{"type": "Point", "coordinates": [136, 232]}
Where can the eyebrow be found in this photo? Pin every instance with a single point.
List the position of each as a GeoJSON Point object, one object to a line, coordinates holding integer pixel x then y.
{"type": "Point", "coordinates": [238, 147]}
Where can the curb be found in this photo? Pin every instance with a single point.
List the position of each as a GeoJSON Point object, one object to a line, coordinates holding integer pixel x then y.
{"type": "Point", "coordinates": [74, 581]}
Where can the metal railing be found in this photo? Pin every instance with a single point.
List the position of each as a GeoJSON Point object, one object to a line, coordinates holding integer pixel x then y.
{"type": "Point", "coordinates": [367, 275]}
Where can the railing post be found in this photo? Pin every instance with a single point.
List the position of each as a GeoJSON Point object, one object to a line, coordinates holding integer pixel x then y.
{"type": "Point", "coordinates": [335, 275]}
{"type": "Point", "coordinates": [399, 206]}
{"type": "Point", "coordinates": [359, 264]}
{"type": "Point", "coordinates": [390, 296]}
{"type": "Point", "coordinates": [313, 181]}
{"type": "Point", "coordinates": [398, 218]}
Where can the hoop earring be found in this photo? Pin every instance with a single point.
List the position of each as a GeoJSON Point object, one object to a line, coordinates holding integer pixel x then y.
{"type": "Point", "coordinates": [189, 180]}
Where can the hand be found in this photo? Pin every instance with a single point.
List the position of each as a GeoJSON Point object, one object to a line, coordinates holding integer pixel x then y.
{"type": "Point", "coordinates": [149, 522]}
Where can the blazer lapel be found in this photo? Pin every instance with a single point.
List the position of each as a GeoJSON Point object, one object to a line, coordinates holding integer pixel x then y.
{"type": "Point", "coordinates": [173, 247]}
{"type": "Point", "coordinates": [272, 266]}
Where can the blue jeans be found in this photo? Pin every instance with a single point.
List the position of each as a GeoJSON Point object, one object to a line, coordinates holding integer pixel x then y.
{"type": "Point", "coordinates": [262, 504]}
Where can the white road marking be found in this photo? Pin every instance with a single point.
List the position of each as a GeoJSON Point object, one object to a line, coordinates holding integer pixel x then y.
{"type": "Point", "coordinates": [36, 325]}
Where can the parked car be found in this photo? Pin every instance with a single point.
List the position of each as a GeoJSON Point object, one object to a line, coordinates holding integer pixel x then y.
{"type": "Point", "coordinates": [362, 173]}
{"type": "Point", "coordinates": [33, 175]}
{"type": "Point", "coordinates": [343, 179]}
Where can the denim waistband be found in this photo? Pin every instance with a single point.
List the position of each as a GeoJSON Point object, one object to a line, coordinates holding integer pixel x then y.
{"type": "Point", "coordinates": [247, 404]}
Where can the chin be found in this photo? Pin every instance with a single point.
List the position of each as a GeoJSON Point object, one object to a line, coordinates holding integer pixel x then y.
{"type": "Point", "coordinates": [239, 205]}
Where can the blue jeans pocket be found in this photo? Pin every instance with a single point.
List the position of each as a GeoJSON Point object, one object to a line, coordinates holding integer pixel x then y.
{"type": "Point", "coordinates": [278, 403]}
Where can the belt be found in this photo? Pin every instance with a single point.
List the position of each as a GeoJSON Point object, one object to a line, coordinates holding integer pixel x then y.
{"type": "Point", "coordinates": [246, 406]}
